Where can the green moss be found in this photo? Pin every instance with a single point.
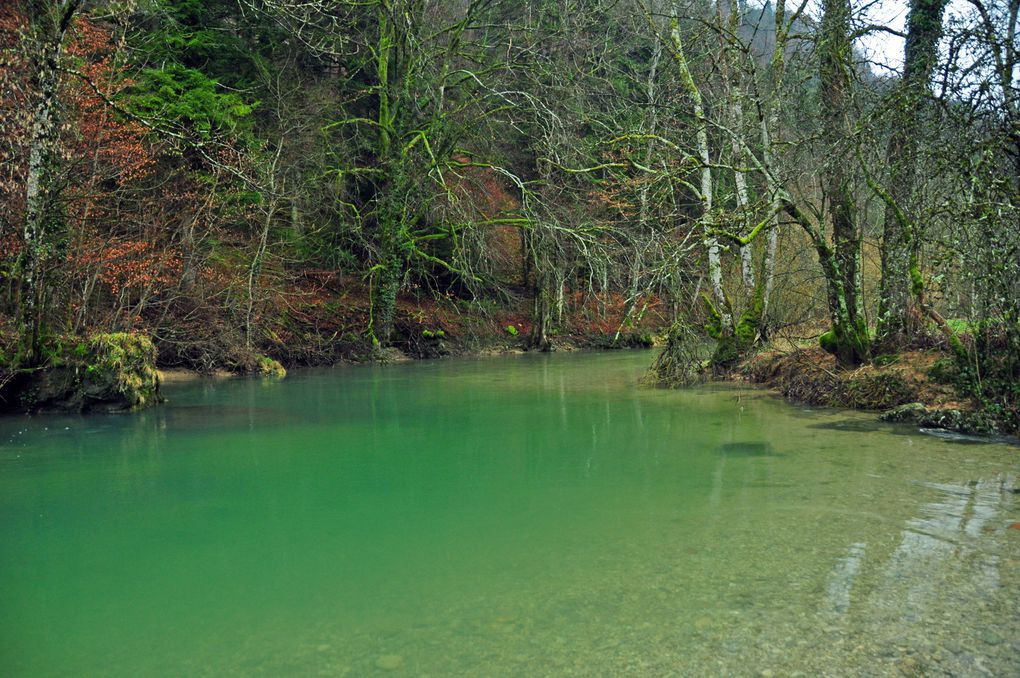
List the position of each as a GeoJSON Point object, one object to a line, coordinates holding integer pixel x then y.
{"type": "Point", "coordinates": [734, 344]}
{"type": "Point", "coordinates": [267, 367]}
{"type": "Point", "coordinates": [118, 368]}
{"type": "Point", "coordinates": [959, 350]}
{"type": "Point", "coordinates": [749, 323]}
{"type": "Point", "coordinates": [746, 330]}
{"type": "Point", "coordinates": [828, 342]}
{"type": "Point", "coordinates": [916, 279]}
{"type": "Point", "coordinates": [850, 344]}
{"type": "Point", "coordinates": [861, 338]}
{"type": "Point", "coordinates": [726, 352]}
{"type": "Point", "coordinates": [958, 325]}
{"type": "Point", "coordinates": [944, 371]}
{"type": "Point", "coordinates": [713, 320]}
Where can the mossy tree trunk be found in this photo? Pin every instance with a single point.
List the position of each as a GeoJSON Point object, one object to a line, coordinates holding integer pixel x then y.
{"type": "Point", "coordinates": [51, 21]}
{"type": "Point", "coordinates": [850, 341]}
{"type": "Point", "coordinates": [388, 272]}
{"type": "Point", "coordinates": [900, 243]}
{"type": "Point", "coordinates": [720, 303]}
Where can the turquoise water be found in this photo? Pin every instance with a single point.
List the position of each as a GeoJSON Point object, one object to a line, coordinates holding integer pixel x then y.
{"type": "Point", "coordinates": [533, 515]}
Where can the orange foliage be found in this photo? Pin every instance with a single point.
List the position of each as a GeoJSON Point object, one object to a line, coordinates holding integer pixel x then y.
{"type": "Point", "coordinates": [131, 264]}
{"type": "Point", "coordinates": [110, 152]}
{"type": "Point", "coordinates": [482, 189]}
{"type": "Point", "coordinates": [99, 150]}
{"type": "Point", "coordinates": [484, 195]}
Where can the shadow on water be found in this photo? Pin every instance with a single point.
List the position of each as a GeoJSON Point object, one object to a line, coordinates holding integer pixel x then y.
{"type": "Point", "coordinates": [862, 426]}
{"type": "Point", "coordinates": [961, 438]}
{"type": "Point", "coordinates": [865, 426]}
{"type": "Point", "coordinates": [748, 449]}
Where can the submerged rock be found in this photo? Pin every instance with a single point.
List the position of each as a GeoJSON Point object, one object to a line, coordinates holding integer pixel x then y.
{"type": "Point", "coordinates": [389, 662]}
{"type": "Point", "coordinates": [748, 449]}
{"type": "Point", "coordinates": [849, 425]}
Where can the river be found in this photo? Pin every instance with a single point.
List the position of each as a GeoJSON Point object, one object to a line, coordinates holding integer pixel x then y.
{"type": "Point", "coordinates": [526, 516]}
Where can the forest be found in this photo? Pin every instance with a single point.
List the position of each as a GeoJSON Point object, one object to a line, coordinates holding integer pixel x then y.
{"type": "Point", "coordinates": [251, 184]}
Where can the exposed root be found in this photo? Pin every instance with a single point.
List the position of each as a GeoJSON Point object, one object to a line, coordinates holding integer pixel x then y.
{"type": "Point", "coordinates": [681, 362]}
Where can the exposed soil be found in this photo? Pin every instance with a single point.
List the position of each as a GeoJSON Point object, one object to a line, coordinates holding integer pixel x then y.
{"type": "Point", "coordinates": [810, 375]}
{"type": "Point", "coordinates": [904, 389]}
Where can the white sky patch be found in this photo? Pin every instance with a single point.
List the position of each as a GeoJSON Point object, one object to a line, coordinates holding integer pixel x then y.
{"type": "Point", "coordinates": [885, 50]}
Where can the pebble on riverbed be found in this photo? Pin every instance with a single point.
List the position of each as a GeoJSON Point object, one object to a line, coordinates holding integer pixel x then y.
{"type": "Point", "coordinates": [389, 662]}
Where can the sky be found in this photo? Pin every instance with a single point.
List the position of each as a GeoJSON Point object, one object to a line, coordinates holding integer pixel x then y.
{"type": "Point", "coordinates": [885, 49]}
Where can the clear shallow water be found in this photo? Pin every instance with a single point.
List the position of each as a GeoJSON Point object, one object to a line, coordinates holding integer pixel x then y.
{"type": "Point", "coordinates": [522, 516]}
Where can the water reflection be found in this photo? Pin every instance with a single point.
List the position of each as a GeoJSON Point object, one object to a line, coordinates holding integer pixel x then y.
{"type": "Point", "coordinates": [940, 587]}
{"type": "Point", "coordinates": [843, 577]}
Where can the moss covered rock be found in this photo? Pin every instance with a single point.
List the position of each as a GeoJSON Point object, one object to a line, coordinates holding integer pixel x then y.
{"type": "Point", "coordinates": [267, 367]}
{"type": "Point", "coordinates": [106, 372]}
{"type": "Point", "coordinates": [971, 422]}
{"type": "Point", "coordinates": [909, 412]}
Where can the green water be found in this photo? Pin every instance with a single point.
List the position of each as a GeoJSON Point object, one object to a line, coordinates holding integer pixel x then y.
{"type": "Point", "coordinates": [516, 516]}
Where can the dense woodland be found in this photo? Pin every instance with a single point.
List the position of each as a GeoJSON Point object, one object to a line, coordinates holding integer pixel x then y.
{"type": "Point", "coordinates": [320, 180]}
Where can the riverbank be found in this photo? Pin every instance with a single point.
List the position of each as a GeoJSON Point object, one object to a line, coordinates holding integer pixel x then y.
{"type": "Point", "coordinates": [914, 386]}
{"type": "Point", "coordinates": [325, 327]}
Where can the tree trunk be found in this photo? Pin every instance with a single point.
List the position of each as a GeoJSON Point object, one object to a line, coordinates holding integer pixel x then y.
{"type": "Point", "coordinates": [843, 269]}
{"type": "Point", "coordinates": [732, 80]}
{"type": "Point", "coordinates": [388, 271]}
{"type": "Point", "coordinates": [898, 250]}
{"type": "Point", "coordinates": [722, 307]}
{"type": "Point", "coordinates": [768, 121]}
{"type": "Point", "coordinates": [53, 24]}
{"type": "Point", "coordinates": [542, 291]}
